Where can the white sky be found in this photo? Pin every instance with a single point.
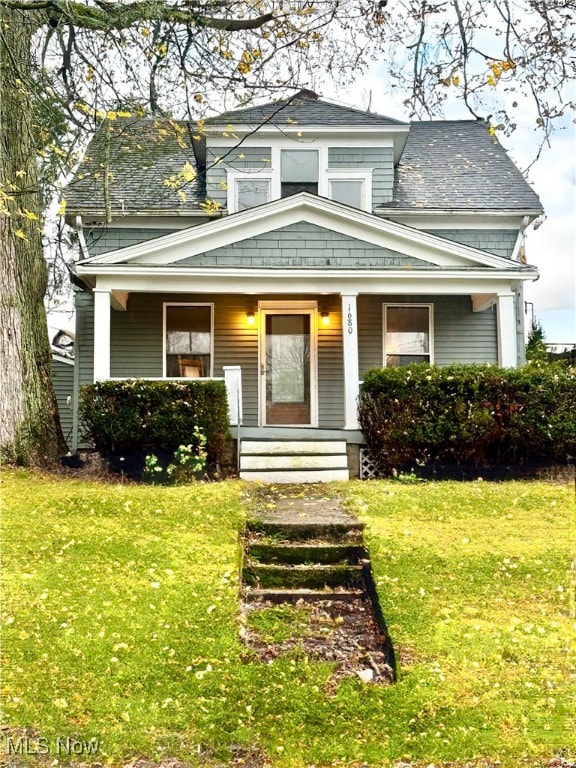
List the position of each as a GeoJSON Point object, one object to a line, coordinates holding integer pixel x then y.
{"type": "Point", "coordinates": [552, 248]}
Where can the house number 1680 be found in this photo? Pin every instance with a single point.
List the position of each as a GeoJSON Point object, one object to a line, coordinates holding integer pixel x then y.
{"type": "Point", "coordinates": [350, 320]}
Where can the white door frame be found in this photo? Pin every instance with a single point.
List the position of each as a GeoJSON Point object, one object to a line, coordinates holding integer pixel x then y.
{"type": "Point", "coordinates": [285, 308]}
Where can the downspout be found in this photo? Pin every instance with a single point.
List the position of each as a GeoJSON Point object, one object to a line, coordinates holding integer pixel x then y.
{"type": "Point", "coordinates": [78, 225]}
{"type": "Point", "coordinates": [77, 347]}
{"type": "Point", "coordinates": [518, 253]}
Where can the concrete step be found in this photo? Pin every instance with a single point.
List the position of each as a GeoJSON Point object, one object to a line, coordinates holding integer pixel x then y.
{"type": "Point", "coordinates": [347, 532]}
{"type": "Point", "coordinates": [291, 462]}
{"type": "Point", "coordinates": [295, 476]}
{"type": "Point", "coordinates": [308, 595]}
{"type": "Point", "coordinates": [287, 447]}
{"type": "Point", "coordinates": [297, 554]}
{"type": "Point", "coordinates": [294, 461]}
{"type": "Point", "coordinates": [302, 576]}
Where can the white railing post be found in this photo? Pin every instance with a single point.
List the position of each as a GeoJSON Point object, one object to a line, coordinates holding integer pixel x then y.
{"type": "Point", "coordinates": [233, 381]}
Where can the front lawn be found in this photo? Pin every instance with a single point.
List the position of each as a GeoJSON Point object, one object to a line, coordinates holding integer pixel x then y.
{"type": "Point", "coordinates": [120, 619]}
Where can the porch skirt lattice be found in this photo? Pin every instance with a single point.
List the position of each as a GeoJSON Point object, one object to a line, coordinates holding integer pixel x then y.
{"type": "Point", "coordinates": [368, 470]}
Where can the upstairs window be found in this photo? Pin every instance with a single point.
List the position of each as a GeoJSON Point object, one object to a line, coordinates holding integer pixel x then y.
{"type": "Point", "coordinates": [248, 189]}
{"type": "Point", "coordinates": [251, 192]}
{"type": "Point", "coordinates": [299, 171]}
{"type": "Point", "coordinates": [351, 187]}
{"type": "Point", "coordinates": [407, 334]}
{"type": "Point", "coordinates": [188, 340]}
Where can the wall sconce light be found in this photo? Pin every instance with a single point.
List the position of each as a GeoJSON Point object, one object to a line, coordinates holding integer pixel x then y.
{"type": "Point", "coordinates": [325, 317]}
{"type": "Point", "coordinates": [250, 318]}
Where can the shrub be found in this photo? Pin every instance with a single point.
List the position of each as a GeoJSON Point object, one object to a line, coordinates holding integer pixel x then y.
{"type": "Point", "coordinates": [133, 416]}
{"type": "Point", "coordinates": [188, 463]}
{"type": "Point", "coordinates": [478, 415]}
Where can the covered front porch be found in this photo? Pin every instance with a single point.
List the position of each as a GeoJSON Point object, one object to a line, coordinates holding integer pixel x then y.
{"type": "Point", "coordinates": [292, 362]}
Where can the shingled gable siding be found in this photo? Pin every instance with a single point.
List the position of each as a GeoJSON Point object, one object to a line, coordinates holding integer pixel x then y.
{"type": "Point", "coordinates": [136, 346]}
{"type": "Point", "coordinates": [460, 335]}
{"type": "Point", "coordinates": [500, 242]}
{"type": "Point", "coordinates": [253, 158]}
{"type": "Point", "coordinates": [104, 239]}
{"type": "Point", "coordinates": [378, 159]}
{"type": "Point", "coordinates": [302, 245]}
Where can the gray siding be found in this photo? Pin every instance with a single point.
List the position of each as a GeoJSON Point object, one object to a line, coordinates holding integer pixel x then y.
{"type": "Point", "coordinates": [104, 239]}
{"type": "Point", "coordinates": [233, 158]}
{"type": "Point", "coordinates": [136, 347]}
{"type": "Point", "coordinates": [379, 159]}
{"type": "Point", "coordinates": [84, 344]}
{"type": "Point", "coordinates": [304, 245]}
{"type": "Point", "coordinates": [63, 381]}
{"type": "Point", "coordinates": [84, 356]}
{"type": "Point", "coordinates": [460, 335]}
{"type": "Point", "coordinates": [500, 242]}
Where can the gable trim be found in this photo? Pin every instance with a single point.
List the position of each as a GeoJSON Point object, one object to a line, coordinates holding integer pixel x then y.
{"type": "Point", "coordinates": [170, 249]}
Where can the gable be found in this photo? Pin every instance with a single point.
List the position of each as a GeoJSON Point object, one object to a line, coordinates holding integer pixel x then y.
{"type": "Point", "coordinates": [179, 247]}
{"type": "Point", "coordinates": [304, 246]}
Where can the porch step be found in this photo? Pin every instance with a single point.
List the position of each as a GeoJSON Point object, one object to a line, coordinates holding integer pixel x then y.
{"type": "Point", "coordinates": [294, 461]}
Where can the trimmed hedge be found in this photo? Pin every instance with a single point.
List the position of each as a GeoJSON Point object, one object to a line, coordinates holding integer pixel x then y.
{"type": "Point", "coordinates": [478, 415]}
{"type": "Point", "coordinates": [134, 416]}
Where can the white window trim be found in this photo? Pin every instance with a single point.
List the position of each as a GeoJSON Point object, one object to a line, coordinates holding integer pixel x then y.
{"type": "Point", "coordinates": [232, 177]}
{"type": "Point", "coordinates": [430, 308]}
{"type": "Point", "coordinates": [350, 174]}
{"type": "Point", "coordinates": [167, 304]}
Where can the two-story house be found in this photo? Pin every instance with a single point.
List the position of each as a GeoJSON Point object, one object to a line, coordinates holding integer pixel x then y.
{"type": "Point", "coordinates": [288, 248]}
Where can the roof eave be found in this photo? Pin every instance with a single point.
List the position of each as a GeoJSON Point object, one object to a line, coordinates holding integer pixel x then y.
{"type": "Point", "coordinates": [100, 213]}
{"type": "Point", "coordinates": [408, 212]}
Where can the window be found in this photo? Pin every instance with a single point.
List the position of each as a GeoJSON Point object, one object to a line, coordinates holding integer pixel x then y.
{"type": "Point", "coordinates": [351, 187]}
{"type": "Point", "coordinates": [251, 192]}
{"type": "Point", "coordinates": [407, 334]}
{"type": "Point", "coordinates": [188, 340]}
{"type": "Point", "coordinates": [347, 192]}
{"type": "Point", "coordinates": [299, 171]}
{"type": "Point", "coordinates": [247, 190]}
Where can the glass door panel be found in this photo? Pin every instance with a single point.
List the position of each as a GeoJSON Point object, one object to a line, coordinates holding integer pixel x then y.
{"type": "Point", "coordinates": [287, 369]}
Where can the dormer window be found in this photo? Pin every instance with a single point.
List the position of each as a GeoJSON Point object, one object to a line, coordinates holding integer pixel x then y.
{"type": "Point", "coordinates": [291, 171]}
{"type": "Point", "coordinates": [351, 187]}
{"type": "Point", "coordinates": [299, 171]}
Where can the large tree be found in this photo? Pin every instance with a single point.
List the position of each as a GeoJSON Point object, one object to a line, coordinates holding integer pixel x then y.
{"type": "Point", "coordinates": [65, 64]}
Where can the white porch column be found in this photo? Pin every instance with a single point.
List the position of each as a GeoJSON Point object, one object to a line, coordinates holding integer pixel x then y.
{"type": "Point", "coordinates": [507, 353]}
{"type": "Point", "coordinates": [101, 334]}
{"type": "Point", "coordinates": [351, 366]}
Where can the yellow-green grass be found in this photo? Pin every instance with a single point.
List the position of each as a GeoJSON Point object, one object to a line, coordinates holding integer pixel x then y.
{"type": "Point", "coordinates": [120, 613]}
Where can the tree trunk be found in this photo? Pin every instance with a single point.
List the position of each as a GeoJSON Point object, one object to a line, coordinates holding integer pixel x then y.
{"type": "Point", "coordinates": [30, 431]}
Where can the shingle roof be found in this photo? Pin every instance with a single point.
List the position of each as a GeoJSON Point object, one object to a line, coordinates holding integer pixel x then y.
{"type": "Point", "coordinates": [457, 164]}
{"type": "Point", "coordinates": [144, 156]}
{"type": "Point", "coordinates": [454, 164]}
{"type": "Point", "coordinates": [303, 109]}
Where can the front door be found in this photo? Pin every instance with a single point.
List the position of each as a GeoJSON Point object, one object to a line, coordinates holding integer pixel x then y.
{"type": "Point", "coordinates": [287, 367]}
